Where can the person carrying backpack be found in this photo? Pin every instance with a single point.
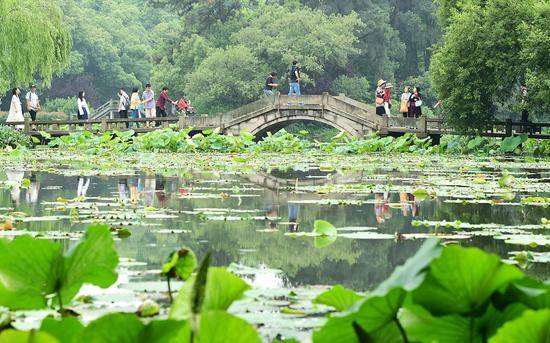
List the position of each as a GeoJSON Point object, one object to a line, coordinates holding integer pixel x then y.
{"type": "Point", "coordinates": [123, 104]}
{"type": "Point", "coordinates": [294, 79]}
{"type": "Point", "coordinates": [32, 102]}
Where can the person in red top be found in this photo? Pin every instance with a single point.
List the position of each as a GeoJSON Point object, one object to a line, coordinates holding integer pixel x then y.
{"type": "Point", "coordinates": [161, 103]}
{"type": "Point", "coordinates": [387, 98]}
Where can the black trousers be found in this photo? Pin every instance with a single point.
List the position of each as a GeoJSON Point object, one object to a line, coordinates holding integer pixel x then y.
{"type": "Point", "coordinates": [83, 116]}
{"type": "Point", "coordinates": [123, 114]}
{"type": "Point", "coordinates": [160, 114]}
{"type": "Point", "coordinates": [33, 114]}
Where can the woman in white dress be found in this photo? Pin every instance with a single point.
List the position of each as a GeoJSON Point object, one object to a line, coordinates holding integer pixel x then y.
{"type": "Point", "coordinates": [83, 110]}
{"type": "Point", "coordinates": [16, 112]}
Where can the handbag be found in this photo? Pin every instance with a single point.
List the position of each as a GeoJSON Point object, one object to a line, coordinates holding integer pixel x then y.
{"type": "Point", "coordinates": [418, 103]}
{"type": "Point", "coordinates": [404, 108]}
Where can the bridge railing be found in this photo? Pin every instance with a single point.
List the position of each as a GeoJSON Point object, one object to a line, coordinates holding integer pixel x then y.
{"type": "Point", "coordinates": [265, 102]}
{"type": "Point", "coordinates": [103, 110]}
{"type": "Point", "coordinates": [359, 109]}
{"type": "Point", "coordinates": [63, 127]}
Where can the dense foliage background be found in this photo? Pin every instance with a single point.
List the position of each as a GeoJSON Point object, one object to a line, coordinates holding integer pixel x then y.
{"type": "Point", "coordinates": [218, 53]}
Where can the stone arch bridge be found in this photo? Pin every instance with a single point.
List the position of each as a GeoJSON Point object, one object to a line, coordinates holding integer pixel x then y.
{"type": "Point", "coordinates": [270, 114]}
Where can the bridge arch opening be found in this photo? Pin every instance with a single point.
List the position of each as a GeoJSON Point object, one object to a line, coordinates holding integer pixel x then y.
{"type": "Point", "coordinates": [281, 123]}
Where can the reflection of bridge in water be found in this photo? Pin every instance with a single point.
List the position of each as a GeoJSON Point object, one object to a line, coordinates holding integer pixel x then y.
{"type": "Point", "coordinates": [270, 114]}
{"type": "Point", "coordinates": [274, 182]}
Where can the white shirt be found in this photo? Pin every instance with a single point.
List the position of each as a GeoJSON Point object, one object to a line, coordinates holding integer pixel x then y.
{"type": "Point", "coordinates": [123, 98]}
{"type": "Point", "coordinates": [32, 98]}
{"type": "Point", "coordinates": [405, 96]}
{"type": "Point", "coordinates": [82, 104]}
{"type": "Point", "coordinates": [16, 113]}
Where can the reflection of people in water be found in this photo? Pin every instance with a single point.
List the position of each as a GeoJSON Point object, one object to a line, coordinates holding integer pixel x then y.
{"type": "Point", "coordinates": [123, 189]}
{"type": "Point", "coordinates": [293, 211]}
{"type": "Point", "coordinates": [381, 207]}
{"type": "Point", "coordinates": [83, 184]}
{"type": "Point", "coordinates": [159, 190]}
{"type": "Point", "coordinates": [270, 205]}
{"type": "Point", "coordinates": [33, 190]}
{"type": "Point", "coordinates": [15, 176]}
{"type": "Point", "coordinates": [148, 194]}
{"type": "Point", "coordinates": [186, 188]}
{"type": "Point", "coordinates": [135, 190]}
{"type": "Point", "coordinates": [408, 205]}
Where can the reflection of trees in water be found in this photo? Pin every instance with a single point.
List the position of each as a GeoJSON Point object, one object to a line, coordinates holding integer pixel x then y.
{"type": "Point", "coordinates": [359, 264]}
{"type": "Point", "coordinates": [376, 261]}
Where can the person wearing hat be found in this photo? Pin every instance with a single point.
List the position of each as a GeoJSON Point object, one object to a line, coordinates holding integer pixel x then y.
{"type": "Point", "coordinates": [379, 97]}
{"type": "Point", "coordinates": [33, 103]}
{"type": "Point", "coordinates": [387, 98]}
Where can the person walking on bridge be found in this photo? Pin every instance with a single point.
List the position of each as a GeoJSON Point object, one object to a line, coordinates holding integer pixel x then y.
{"type": "Point", "coordinates": [135, 104]}
{"type": "Point", "coordinates": [379, 97]}
{"type": "Point", "coordinates": [161, 104]}
{"type": "Point", "coordinates": [404, 105]}
{"type": "Point", "coordinates": [387, 98]}
{"type": "Point", "coordinates": [294, 79]}
{"type": "Point", "coordinates": [270, 84]}
{"type": "Point", "coordinates": [415, 103]}
{"type": "Point", "coordinates": [16, 112]}
{"type": "Point", "coordinates": [83, 109]}
{"type": "Point", "coordinates": [149, 103]}
{"type": "Point", "coordinates": [123, 104]}
{"type": "Point", "coordinates": [32, 102]}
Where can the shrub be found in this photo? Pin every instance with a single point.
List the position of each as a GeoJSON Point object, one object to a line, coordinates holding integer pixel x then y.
{"type": "Point", "coordinates": [13, 138]}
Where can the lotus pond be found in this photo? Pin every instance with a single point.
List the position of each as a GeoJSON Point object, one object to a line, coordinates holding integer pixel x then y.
{"type": "Point", "coordinates": [256, 214]}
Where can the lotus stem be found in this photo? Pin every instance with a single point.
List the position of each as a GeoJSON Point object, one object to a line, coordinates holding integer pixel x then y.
{"type": "Point", "coordinates": [169, 290]}
{"type": "Point", "coordinates": [401, 330]}
{"type": "Point", "coordinates": [59, 300]}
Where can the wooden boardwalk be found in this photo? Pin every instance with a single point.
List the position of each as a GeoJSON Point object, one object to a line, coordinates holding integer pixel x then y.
{"type": "Point", "coordinates": [272, 113]}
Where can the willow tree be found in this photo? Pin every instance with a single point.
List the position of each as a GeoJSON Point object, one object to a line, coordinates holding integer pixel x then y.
{"type": "Point", "coordinates": [34, 42]}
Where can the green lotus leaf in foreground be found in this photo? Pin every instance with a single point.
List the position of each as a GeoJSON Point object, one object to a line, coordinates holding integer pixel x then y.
{"type": "Point", "coordinates": [532, 326]}
{"type": "Point", "coordinates": [338, 297]}
{"type": "Point", "coordinates": [222, 289]}
{"type": "Point", "coordinates": [462, 281]}
{"type": "Point", "coordinates": [377, 312]}
{"type": "Point", "coordinates": [32, 270]}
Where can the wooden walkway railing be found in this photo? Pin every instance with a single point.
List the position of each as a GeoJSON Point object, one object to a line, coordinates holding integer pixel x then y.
{"type": "Point", "coordinates": [140, 125]}
{"type": "Point", "coordinates": [340, 106]}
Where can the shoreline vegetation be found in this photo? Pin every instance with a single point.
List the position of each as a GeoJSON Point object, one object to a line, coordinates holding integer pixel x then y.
{"type": "Point", "coordinates": [212, 141]}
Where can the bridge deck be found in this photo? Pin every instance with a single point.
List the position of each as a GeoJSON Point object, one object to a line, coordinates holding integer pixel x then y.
{"type": "Point", "coordinates": [271, 113]}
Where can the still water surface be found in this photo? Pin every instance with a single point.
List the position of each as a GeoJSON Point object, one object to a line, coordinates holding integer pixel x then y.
{"type": "Point", "coordinates": [245, 221]}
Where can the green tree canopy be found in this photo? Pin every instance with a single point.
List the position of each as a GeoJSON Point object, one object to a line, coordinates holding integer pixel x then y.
{"type": "Point", "coordinates": [34, 42]}
{"type": "Point", "coordinates": [225, 80]}
{"type": "Point", "coordinates": [536, 54]}
{"type": "Point", "coordinates": [112, 47]}
{"type": "Point", "coordinates": [479, 68]}
{"type": "Point", "coordinates": [323, 44]}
